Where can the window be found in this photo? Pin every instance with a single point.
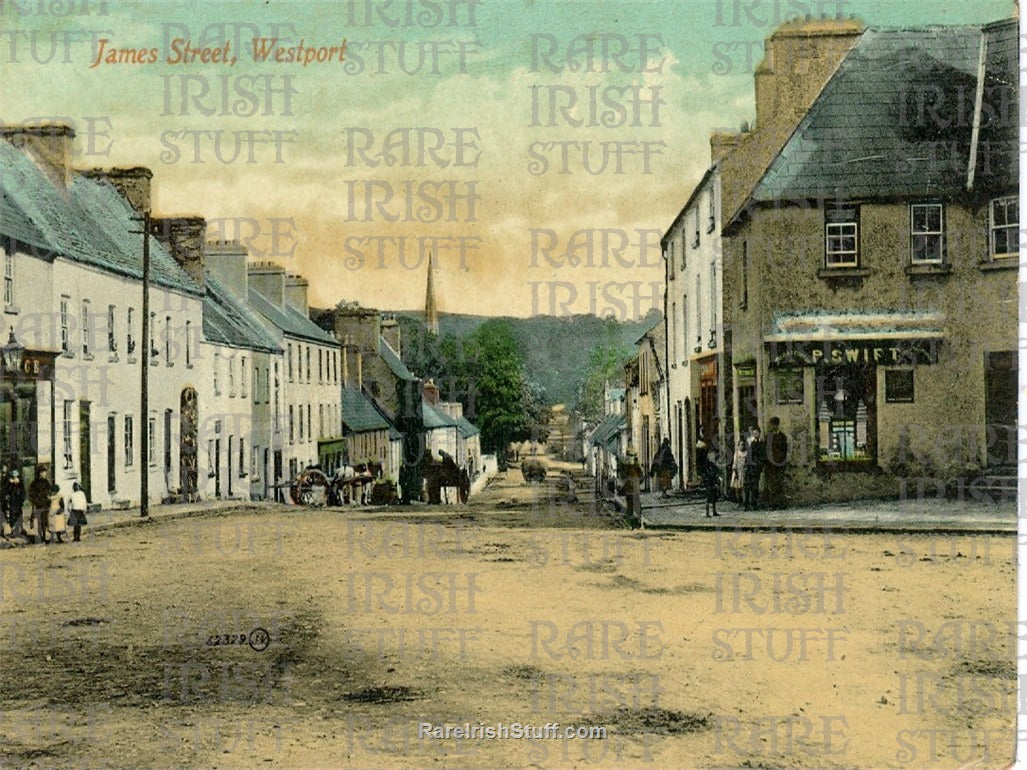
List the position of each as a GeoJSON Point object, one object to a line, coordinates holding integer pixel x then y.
{"type": "Point", "coordinates": [846, 413]}
{"type": "Point", "coordinates": [151, 432]}
{"type": "Point", "coordinates": [65, 300]}
{"type": "Point", "coordinates": [130, 343]}
{"type": "Point", "coordinates": [231, 376]}
{"type": "Point", "coordinates": [898, 386]}
{"type": "Point", "coordinates": [670, 260]}
{"type": "Point", "coordinates": [673, 332]}
{"type": "Point", "coordinates": [188, 343]}
{"type": "Point", "coordinates": [242, 457]}
{"type": "Point", "coordinates": [85, 327]}
{"type": "Point", "coordinates": [217, 365]}
{"type": "Point", "coordinates": [167, 339]}
{"type": "Point", "coordinates": [713, 303]}
{"type": "Point", "coordinates": [8, 279]}
{"type": "Point", "coordinates": [841, 237]}
{"type": "Point", "coordinates": [128, 440]}
{"type": "Point", "coordinates": [684, 327]}
{"type": "Point", "coordinates": [711, 212]}
{"type": "Point", "coordinates": [320, 370]}
{"type": "Point", "coordinates": [694, 218]}
{"type": "Point", "coordinates": [289, 361]}
{"type": "Point", "coordinates": [745, 274]}
{"type": "Point", "coordinates": [153, 331]}
{"type": "Point", "coordinates": [167, 440]}
{"type": "Point", "coordinates": [926, 233]}
{"type": "Point", "coordinates": [684, 251]}
{"type": "Point", "coordinates": [68, 412]}
{"type": "Point", "coordinates": [112, 340]}
{"type": "Point", "coordinates": [242, 377]}
{"type": "Point", "coordinates": [320, 420]}
{"type": "Point", "coordinates": [1005, 224]}
{"type": "Point", "coordinates": [789, 386]}
{"type": "Point", "coordinates": [308, 363]}
{"type": "Point", "coordinates": [698, 311]}
{"type": "Point", "coordinates": [301, 423]}
{"type": "Point", "coordinates": [278, 405]}
{"type": "Point", "coordinates": [292, 426]}
{"type": "Point", "coordinates": [310, 433]}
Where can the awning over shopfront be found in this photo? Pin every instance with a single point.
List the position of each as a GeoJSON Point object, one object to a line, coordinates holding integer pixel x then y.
{"type": "Point", "coordinates": [882, 338]}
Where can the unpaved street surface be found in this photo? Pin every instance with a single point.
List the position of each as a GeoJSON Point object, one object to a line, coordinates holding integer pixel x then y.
{"type": "Point", "coordinates": [136, 647]}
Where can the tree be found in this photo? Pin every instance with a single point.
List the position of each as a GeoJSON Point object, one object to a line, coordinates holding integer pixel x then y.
{"type": "Point", "coordinates": [605, 364]}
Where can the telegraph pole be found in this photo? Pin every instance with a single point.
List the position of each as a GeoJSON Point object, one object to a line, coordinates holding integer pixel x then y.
{"type": "Point", "coordinates": [144, 379]}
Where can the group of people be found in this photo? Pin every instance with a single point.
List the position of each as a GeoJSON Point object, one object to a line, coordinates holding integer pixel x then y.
{"type": "Point", "coordinates": [49, 514]}
{"type": "Point", "coordinates": [756, 457]}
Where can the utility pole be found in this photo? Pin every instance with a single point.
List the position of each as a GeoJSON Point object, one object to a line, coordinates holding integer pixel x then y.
{"type": "Point", "coordinates": [144, 379]}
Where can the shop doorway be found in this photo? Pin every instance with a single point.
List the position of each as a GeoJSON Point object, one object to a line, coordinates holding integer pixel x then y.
{"type": "Point", "coordinates": [85, 452]}
{"type": "Point", "coordinates": [111, 472]}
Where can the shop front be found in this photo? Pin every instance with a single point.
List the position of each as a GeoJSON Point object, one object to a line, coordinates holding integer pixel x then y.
{"type": "Point", "coordinates": [23, 373]}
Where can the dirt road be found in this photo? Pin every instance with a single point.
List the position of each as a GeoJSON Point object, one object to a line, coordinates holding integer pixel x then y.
{"type": "Point", "coordinates": [145, 646]}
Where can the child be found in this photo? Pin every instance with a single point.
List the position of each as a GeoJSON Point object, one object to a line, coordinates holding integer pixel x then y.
{"type": "Point", "coordinates": [58, 524]}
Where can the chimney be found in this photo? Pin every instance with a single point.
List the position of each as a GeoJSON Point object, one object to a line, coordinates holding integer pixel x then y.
{"type": "Point", "coordinates": [268, 279]}
{"type": "Point", "coordinates": [133, 184]}
{"type": "Point", "coordinates": [722, 145]}
{"type": "Point", "coordinates": [226, 261]}
{"type": "Point", "coordinates": [48, 144]}
{"type": "Point", "coordinates": [391, 331]}
{"type": "Point", "coordinates": [431, 392]}
{"type": "Point", "coordinates": [361, 325]}
{"type": "Point", "coordinates": [183, 237]}
{"type": "Point", "coordinates": [345, 362]}
{"type": "Point", "coordinates": [296, 292]}
{"type": "Point", "coordinates": [798, 59]}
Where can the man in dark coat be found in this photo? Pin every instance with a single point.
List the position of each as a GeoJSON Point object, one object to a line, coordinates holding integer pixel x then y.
{"type": "Point", "coordinates": [777, 459]}
{"type": "Point", "coordinates": [755, 461]}
{"type": "Point", "coordinates": [631, 475]}
{"type": "Point", "coordinates": [14, 501]}
{"type": "Point", "coordinates": [39, 498]}
{"type": "Point", "coordinates": [709, 473]}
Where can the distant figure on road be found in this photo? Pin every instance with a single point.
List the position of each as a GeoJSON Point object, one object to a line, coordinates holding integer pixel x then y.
{"type": "Point", "coordinates": [664, 467]}
{"type": "Point", "coordinates": [631, 475]}
{"type": "Point", "coordinates": [755, 459]}
{"type": "Point", "coordinates": [777, 459]}
{"type": "Point", "coordinates": [706, 465]}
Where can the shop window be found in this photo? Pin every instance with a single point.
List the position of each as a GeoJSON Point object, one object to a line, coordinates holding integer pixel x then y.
{"type": "Point", "coordinates": [846, 414]}
{"type": "Point", "coordinates": [8, 279]}
{"type": "Point", "coordinates": [926, 233]}
{"type": "Point", "coordinates": [841, 237]}
{"type": "Point", "coordinates": [898, 386]}
{"type": "Point", "coordinates": [790, 386]}
{"type": "Point", "coordinates": [128, 440]}
{"type": "Point", "coordinates": [1005, 222]}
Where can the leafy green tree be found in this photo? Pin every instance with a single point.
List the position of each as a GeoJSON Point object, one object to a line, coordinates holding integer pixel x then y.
{"type": "Point", "coordinates": [606, 363]}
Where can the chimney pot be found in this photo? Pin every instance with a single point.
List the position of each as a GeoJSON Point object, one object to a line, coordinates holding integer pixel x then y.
{"type": "Point", "coordinates": [49, 145]}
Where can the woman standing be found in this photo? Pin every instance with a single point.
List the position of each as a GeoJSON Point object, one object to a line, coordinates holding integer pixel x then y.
{"type": "Point", "coordinates": [79, 504]}
{"type": "Point", "coordinates": [738, 471]}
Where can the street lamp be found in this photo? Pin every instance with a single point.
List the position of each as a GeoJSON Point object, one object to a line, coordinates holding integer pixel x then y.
{"type": "Point", "coordinates": [13, 353]}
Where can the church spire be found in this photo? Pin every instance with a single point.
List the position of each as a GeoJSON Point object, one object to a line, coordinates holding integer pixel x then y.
{"type": "Point", "coordinates": [431, 311]}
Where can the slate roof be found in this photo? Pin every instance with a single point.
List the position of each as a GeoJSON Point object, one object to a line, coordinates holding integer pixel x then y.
{"type": "Point", "coordinates": [228, 321]}
{"type": "Point", "coordinates": [394, 362]}
{"type": "Point", "coordinates": [997, 163]}
{"type": "Point", "coordinates": [466, 427]}
{"type": "Point", "coordinates": [289, 320]}
{"type": "Point", "coordinates": [896, 119]}
{"type": "Point", "coordinates": [434, 417]}
{"type": "Point", "coordinates": [608, 430]}
{"type": "Point", "coordinates": [359, 414]}
{"type": "Point", "coordinates": [89, 223]}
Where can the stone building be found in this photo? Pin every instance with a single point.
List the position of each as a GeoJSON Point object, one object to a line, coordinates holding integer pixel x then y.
{"type": "Point", "coordinates": [644, 381]}
{"type": "Point", "coordinates": [870, 272]}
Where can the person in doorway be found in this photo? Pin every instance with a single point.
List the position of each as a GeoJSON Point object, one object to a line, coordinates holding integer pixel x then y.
{"type": "Point", "coordinates": [78, 504]}
{"type": "Point", "coordinates": [631, 474]}
{"type": "Point", "coordinates": [777, 459]}
{"type": "Point", "coordinates": [39, 499]}
{"type": "Point", "coordinates": [664, 467]}
{"type": "Point", "coordinates": [755, 459]}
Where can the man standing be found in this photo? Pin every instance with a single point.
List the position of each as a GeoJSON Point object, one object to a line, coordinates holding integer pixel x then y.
{"type": "Point", "coordinates": [755, 460]}
{"type": "Point", "coordinates": [14, 500]}
{"type": "Point", "coordinates": [777, 458]}
{"type": "Point", "coordinates": [39, 498]}
{"type": "Point", "coordinates": [631, 474]}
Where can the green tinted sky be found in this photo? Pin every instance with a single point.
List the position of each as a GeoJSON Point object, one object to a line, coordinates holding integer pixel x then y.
{"type": "Point", "coordinates": [707, 50]}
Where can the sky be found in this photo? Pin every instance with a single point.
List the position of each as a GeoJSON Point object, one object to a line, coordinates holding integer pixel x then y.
{"type": "Point", "coordinates": [537, 148]}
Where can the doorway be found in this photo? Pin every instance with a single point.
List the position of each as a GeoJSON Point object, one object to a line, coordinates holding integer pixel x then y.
{"type": "Point", "coordinates": [85, 456]}
{"type": "Point", "coordinates": [111, 447]}
{"type": "Point", "coordinates": [1000, 375]}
